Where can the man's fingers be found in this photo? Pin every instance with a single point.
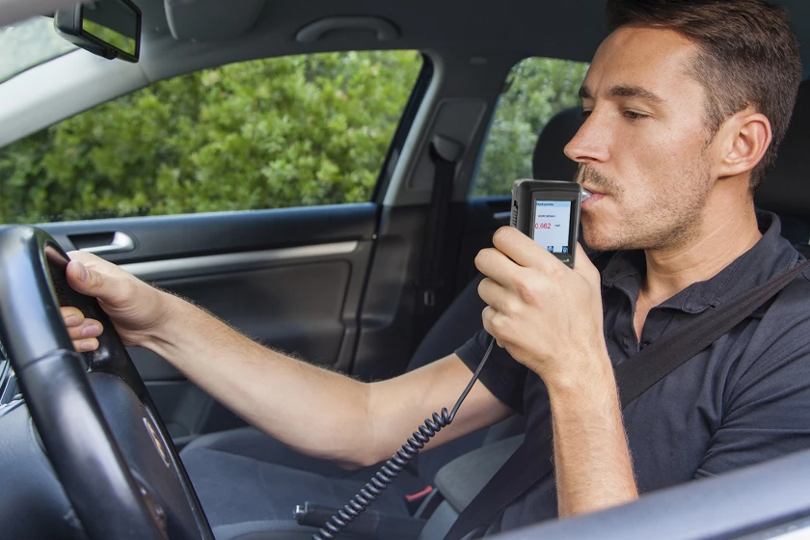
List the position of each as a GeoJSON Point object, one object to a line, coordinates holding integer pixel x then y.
{"type": "Point", "coordinates": [85, 345]}
{"type": "Point", "coordinates": [83, 332]}
{"type": "Point", "coordinates": [522, 249]}
{"type": "Point", "coordinates": [72, 316]}
{"type": "Point", "coordinates": [497, 266]}
{"type": "Point", "coordinates": [88, 329]}
{"type": "Point", "coordinates": [493, 294]}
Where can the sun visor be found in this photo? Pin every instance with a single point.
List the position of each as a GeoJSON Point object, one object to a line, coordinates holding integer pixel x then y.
{"type": "Point", "coordinates": [211, 20]}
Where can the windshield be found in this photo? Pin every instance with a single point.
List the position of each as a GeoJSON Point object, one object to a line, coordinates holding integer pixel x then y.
{"type": "Point", "coordinates": [29, 43]}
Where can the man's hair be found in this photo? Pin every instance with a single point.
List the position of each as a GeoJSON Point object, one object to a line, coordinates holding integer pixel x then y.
{"type": "Point", "coordinates": [748, 56]}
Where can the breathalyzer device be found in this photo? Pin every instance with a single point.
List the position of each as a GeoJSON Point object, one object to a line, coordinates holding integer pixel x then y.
{"type": "Point", "coordinates": [547, 211]}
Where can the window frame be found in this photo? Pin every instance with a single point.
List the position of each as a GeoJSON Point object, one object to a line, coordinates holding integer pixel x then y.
{"type": "Point", "coordinates": [507, 85]}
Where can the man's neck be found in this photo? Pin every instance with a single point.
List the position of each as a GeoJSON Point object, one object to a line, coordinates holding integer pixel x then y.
{"type": "Point", "coordinates": [721, 241]}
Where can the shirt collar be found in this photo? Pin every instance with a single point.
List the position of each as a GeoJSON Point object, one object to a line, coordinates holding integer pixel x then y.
{"type": "Point", "coordinates": [770, 256]}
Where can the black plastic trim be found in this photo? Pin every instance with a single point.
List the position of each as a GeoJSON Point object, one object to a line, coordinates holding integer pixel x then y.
{"type": "Point", "coordinates": [418, 93]}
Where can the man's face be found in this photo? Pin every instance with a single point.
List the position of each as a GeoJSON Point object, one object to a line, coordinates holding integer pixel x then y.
{"type": "Point", "coordinates": [643, 147]}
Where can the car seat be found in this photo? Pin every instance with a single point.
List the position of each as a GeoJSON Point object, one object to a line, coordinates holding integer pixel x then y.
{"type": "Point", "coordinates": [249, 483]}
{"type": "Point", "coordinates": [785, 190]}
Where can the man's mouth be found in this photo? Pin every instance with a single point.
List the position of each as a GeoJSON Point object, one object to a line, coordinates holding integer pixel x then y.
{"type": "Point", "coordinates": [586, 177]}
{"type": "Point", "coordinates": [591, 197]}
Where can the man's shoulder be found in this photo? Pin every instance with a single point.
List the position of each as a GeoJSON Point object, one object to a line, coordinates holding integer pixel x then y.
{"type": "Point", "coordinates": [783, 326]}
{"type": "Point", "coordinates": [795, 297]}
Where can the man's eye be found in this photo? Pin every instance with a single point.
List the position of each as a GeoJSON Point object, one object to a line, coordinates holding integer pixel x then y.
{"type": "Point", "coordinates": [633, 115]}
{"type": "Point", "coordinates": [584, 113]}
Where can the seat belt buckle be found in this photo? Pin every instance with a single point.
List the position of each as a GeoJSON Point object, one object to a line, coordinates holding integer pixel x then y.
{"type": "Point", "coordinates": [370, 525]}
{"type": "Point", "coordinates": [316, 515]}
{"type": "Point", "coordinates": [427, 292]}
{"type": "Point", "coordinates": [429, 298]}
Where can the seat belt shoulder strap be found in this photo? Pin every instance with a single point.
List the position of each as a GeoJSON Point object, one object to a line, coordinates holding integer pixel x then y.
{"type": "Point", "coordinates": [444, 153]}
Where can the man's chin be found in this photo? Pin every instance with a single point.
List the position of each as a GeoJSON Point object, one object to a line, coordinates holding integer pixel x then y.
{"type": "Point", "coordinates": [599, 240]}
{"type": "Point", "coordinates": [600, 245]}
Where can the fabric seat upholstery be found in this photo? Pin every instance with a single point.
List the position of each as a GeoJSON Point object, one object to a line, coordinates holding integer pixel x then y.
{"type": "Point", "coordinates": [248, 483]}
{"type": "Point", "coordinates": [786, 189]}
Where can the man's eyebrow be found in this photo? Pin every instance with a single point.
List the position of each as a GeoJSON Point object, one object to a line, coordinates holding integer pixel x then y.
{"type": "Point", "coordinates": [584, 93]}
{"type": "Point", "coordinates": [635, 91]}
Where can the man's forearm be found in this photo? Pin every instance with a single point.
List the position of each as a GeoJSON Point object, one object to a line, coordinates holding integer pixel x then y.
{"type": "Point", "coordinates": [592, 460]}
{"type": "Point", "coordinates": [261, 385]}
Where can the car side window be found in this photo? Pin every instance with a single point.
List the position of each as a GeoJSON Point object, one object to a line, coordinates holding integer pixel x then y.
{"type": "Point", "coordinates": [538, 88]}
{"type": "Point", "coordinates": [278, 132]}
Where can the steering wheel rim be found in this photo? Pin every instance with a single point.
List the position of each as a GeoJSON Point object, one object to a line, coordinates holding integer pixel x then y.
{"type": "Point", "coordinates": [112, 496]}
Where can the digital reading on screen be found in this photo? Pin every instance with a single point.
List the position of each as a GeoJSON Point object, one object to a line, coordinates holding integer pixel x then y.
{"type": "Point", "coordinates": [552, 223]}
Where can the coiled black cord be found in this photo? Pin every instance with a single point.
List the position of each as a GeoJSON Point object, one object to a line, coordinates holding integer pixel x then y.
{"type": "Point", "coordinates": [389, 471]}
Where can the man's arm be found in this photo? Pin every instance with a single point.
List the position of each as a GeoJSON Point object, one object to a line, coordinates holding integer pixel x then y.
{"type": "Point", "coordinates": [591, 456]}
{"type": "Point", "coordinates": [549, 318]}
{"type": "Point", "coordinates": [316, 411]}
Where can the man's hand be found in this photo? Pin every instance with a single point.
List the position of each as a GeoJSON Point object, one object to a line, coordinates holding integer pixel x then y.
{"type": "Point", "coordinates": [134, 307]}
{"type": "Point", "coordinates": [549, 318]}
{"type": "Point", "coordinates": [546, 315]}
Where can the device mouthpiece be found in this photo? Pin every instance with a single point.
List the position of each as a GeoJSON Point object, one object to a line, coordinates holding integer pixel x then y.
{"type": "Point", "coordinates": [585, 195]}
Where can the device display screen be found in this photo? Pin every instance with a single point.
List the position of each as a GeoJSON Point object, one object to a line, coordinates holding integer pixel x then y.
{"type": "Point", "coordinates": [552, 225]}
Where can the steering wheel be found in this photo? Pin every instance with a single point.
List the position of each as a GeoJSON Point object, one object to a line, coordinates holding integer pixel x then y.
{"type": "Point", "coordinates": [98, 425]}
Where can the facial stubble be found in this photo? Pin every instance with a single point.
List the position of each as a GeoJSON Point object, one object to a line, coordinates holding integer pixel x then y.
{"type": "Point", "coordinates": [669, 220]}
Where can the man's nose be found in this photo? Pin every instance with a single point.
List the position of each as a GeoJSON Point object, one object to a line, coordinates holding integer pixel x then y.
{"type": "Point", "coordinates": [590, 144]}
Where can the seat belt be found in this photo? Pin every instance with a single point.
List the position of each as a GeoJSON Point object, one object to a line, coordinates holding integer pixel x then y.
{"type": "Point", "coordinates": [634, 376]}
{"type": "Point", "coordinates": [445, 154]}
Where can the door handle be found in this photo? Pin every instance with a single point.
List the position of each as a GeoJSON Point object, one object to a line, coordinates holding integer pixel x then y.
{"type": "Point", "coordinates": [121, 242]}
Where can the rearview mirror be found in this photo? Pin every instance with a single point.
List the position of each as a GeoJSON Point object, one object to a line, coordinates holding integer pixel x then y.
{"type": "Point", "coordinates": [108, 28]}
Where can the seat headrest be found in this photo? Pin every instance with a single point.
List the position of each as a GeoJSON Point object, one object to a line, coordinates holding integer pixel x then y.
{"type": "Point", "coordinates": [786, 190]}
{"type": "Point", "coordinates": [549, 162]}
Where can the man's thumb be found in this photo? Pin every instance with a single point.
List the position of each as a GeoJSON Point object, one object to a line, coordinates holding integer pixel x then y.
{"type": "Point", "coordinates": [80, 279]}
{"type": "Point", "coordinates": [583, 264]}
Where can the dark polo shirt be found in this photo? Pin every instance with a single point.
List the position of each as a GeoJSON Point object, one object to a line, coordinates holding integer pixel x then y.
{"type": "Point", "coordinates": [743, 400]}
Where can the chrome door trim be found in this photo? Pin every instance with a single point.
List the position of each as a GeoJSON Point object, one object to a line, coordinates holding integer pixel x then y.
{"type": "Point", "coordinates": [211, 264]}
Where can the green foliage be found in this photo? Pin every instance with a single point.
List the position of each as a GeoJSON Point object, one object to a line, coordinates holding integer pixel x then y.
{"type": "Point", "coordinates": [540, 88]}
{"type": "Point", "coordinates": [292, 131]}
{"type": "Point", "coordinates": [298, 130]}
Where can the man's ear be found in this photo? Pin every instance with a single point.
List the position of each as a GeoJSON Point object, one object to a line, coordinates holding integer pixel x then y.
{"type": "Point", "coordinates": [744, 138]}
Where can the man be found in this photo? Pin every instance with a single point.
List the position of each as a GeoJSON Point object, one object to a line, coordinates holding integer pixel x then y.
{"type": "Point", "coordinates": [685, 103]}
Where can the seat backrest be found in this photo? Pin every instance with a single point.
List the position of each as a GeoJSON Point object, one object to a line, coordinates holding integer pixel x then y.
{"type": "Point", "coordinates": [549, 161]}
{"type": "Point", "coordinates": [462, 319]}
{"type": "Point", "coordinates": [786, 188]}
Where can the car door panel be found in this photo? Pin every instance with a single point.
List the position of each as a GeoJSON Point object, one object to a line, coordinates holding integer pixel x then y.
{"type": "Point", "coordinates": [289, 278]}
{"type": "Point", "coordinates": [294, 307]}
